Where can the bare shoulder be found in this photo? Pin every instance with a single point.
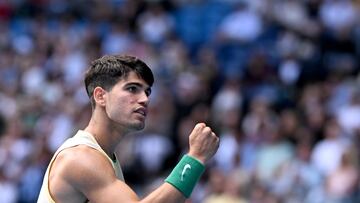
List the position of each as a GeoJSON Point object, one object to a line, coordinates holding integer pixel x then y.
{"type": "Point", "coordinates": [78, 170]}
{"type": "Point", "coordinates": [81, 173]}
{"type": "Point", "coordinates": [82, 164]}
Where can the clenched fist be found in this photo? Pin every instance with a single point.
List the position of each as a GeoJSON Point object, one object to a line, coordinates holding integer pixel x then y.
{"type": "Point", "coordinates": [203, 143]}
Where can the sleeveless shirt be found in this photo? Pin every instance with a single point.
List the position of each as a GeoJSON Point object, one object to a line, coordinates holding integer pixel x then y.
{"type": "Point", "coordinates": [80, 138]}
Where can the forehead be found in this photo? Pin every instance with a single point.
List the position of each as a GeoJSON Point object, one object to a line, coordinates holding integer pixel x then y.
{"type": "Point", "coordinates": [132, 77]}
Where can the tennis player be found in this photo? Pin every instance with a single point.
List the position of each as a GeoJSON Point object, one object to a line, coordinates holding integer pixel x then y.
{"type": "Point", "coordinates": [85, 168]}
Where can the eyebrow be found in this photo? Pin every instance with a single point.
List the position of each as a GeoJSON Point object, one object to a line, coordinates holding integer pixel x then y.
{"type": "Point", "coordinates": [134, 83]}
{"type": "Point", "coordinates": [137, 84]}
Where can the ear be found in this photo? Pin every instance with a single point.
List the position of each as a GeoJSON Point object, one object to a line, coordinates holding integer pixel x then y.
{"type": "Point", "coordinates": [99, 96]}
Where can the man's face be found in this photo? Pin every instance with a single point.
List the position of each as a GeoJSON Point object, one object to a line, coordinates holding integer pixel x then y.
{"type": "Point", "coordinates": [127, 102]}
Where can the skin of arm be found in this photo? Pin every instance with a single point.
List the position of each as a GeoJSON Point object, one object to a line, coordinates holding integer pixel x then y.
{"type": "Point", "coordinates": [75, 166]}
{"type": "Point", "coordinates": [87, 171]}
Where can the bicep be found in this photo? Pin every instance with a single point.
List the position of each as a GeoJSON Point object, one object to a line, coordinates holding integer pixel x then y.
{"type": "Point", "coordinates": [93, 176]}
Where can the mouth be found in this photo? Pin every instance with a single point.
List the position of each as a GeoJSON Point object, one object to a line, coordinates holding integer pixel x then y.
{"type": "Point", "coordinates": [142, 111]}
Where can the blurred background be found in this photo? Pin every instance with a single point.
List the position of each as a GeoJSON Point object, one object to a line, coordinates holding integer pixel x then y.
{"type": "Point", "coordinates": [277, 80]}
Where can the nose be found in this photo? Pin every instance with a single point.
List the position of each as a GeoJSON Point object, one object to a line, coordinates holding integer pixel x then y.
{"type": "Point", "coordinates": [144, 99]}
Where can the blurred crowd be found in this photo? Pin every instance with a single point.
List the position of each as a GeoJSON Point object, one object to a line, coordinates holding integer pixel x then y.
{"type": "Point", "coordinates": [277, 80]}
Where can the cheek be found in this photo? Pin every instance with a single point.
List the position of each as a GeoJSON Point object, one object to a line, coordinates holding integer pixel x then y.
{"type": "Point", "coordinates": [115, 113]}
{"type": "Point", "coordinates": [118, 107]}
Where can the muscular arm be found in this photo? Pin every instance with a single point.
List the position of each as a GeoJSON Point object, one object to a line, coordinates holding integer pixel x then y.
{"type": "Point", "coordinates": [89, 173]}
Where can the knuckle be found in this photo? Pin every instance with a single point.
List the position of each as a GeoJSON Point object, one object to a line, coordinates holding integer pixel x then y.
{"type": "Point", "coordinates": [207, 130]}
{"type": "Point", "coordinates": [200, 125]}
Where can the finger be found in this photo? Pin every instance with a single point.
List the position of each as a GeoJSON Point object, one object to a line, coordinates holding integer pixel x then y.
{"type": "Point", "coordinates": [217, 139]}
{"type": "Point", "coordinates": [207, 130]}
{"type": "Point", "coordinates": [199, 126]}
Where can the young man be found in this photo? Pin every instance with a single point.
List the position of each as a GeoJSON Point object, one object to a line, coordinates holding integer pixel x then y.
{"type": "Point", "coordinates": [85, 167]}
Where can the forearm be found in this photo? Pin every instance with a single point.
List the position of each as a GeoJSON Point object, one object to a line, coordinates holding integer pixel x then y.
{"type": "Point", "coordinates": [180, 183]}
{"type": "Point", "coordinates": [165, 193]}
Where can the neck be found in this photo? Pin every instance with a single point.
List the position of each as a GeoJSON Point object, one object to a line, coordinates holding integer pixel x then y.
{"type": "Point", "coordinates": [106, 134]}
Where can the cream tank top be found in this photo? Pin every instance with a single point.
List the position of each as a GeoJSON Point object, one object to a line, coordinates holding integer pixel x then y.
{"type": "Point", "coordinates": [80, 138]}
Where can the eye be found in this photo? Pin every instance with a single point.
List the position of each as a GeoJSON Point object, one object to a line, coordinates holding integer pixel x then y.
{"type": "Point", "coordinates": [148, 92]}
{"type": "Point", "coordinates": [132, 89]}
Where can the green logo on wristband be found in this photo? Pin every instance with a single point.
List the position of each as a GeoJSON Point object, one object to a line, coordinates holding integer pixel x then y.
{"type": "Point", "coordinates": [186, 167]}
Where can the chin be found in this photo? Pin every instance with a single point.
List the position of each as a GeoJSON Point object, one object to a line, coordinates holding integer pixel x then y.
{"type": "Point", "coordinates": [137, 126]}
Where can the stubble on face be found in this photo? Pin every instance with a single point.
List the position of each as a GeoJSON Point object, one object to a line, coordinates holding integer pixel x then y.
{"type": "Point", "coordinates": [125, 107]}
